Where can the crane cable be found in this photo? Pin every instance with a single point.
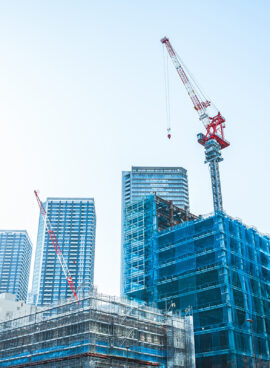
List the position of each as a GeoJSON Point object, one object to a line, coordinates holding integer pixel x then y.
{"type": "Point", "coordinates": [167, 92]}
{"type": "Point", "coordinates": [202, 95]}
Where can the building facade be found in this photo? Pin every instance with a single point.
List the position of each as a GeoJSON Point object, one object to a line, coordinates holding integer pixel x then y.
{"type": "Point", "coordinates": [142, 220]}
{"type": "Point", "coordinates": [169, 183]}
{"type": "Point", "coordinates": [214, 265]}
{"type": "Point", "coordinates": [74, 223]}
{"type": "Point", "coordinates": [15, 260]}
{"type": "Point", "coordinates": [98, 331]}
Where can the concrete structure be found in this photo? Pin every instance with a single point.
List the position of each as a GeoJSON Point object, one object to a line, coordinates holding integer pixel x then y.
{"type": "Point", "coordinates": [15, 260]}
{"type": "Point", "coordinates": [100, 331]}
{"type": "Point", "coordinates": [215, 265]}
{"type": "Point", "coordinates": [10, 308]}
{"type": "Point", "coordinates": [74, 223]}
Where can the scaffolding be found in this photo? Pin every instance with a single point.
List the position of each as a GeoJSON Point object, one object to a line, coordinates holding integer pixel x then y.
{"type": "Point", "coordinates": [221, 268]}
{"type": "Point", "coordinates": [100, 331]}
{"type": "Point", "coordinates": [142, 219]}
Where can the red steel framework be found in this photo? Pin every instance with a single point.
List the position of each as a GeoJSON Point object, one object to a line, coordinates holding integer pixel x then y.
{"type": "Point", "coordinates": [214, 125]}
{"type": "Point", "coordinates": [56, 246]}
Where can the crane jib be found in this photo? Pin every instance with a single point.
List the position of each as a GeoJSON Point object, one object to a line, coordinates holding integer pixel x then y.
{"type": "Point", "coordinates": [214, 123]}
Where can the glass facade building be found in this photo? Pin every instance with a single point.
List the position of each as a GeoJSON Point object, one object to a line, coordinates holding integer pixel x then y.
{"type": "Point", "coordinates": [169, 183]}
{"type": "Point", "coordinates": [15, 260]}
{"type": "Point", "coordinates": [214, 265]}
{"type": "Point", "coordinates": [143, 219]}
{"type": "Point", "coordinates": [74, 223]}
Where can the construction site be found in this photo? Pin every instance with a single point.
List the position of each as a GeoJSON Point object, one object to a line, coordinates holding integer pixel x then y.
{"type": "Point", "coordinates": [98, 331]}
{"type": "Point", "coordinates": [178, 269]}
{"type": "Point", "coordinates": [214, 265]}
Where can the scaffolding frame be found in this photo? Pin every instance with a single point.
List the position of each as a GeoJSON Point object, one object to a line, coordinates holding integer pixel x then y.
{"type": "Point", "coordinates": [217, 265]}
{"type": "Point", "coordinates": [100, 331]}
{"type": "Point", "coordinates": [142, 219]}
{"type": "Point", "coordinates": [222, 268]}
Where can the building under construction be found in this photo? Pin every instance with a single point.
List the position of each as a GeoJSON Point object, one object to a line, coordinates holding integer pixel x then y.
{"type": "Point", "coordinates": [214, 264]}
{"type": "Point", "coordinates": [143, 219]}
{"type": "Point", "coordinates": [98, 331]}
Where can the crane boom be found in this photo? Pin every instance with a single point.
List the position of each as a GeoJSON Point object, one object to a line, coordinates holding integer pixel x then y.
{"type": "Point", "coordinates": [56, 246]}
{"type": "Point", "coordinates": [213, 140]}
{"type": "Point", "coordinates": [200, 103]}
{"type": "Point", "coordinates": [214, 125]}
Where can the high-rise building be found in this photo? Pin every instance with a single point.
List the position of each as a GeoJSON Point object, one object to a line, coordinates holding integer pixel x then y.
{"type": "Point", "coordinates": [214, 265]}
{"type": "Point", "coordinates": [143, 219]}
{"type": "Point", "coordinates": [74, 223]}
{"type": "Point", "coordinates": [15, 260]}
{"type": "Point", "coordinates": [169, 183]}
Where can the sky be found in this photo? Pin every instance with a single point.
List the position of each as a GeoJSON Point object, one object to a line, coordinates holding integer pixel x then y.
{"type": "Point", "coordinates": [82, 98]}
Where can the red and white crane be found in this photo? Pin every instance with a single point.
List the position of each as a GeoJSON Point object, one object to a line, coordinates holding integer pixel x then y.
{"type": "Point", "coordinates": [213, 140]}
{"type": "Point", "coordinates": [56, 246]}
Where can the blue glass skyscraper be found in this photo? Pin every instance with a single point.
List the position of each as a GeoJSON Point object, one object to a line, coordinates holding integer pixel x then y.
{"type": "Point", "coordinates": [74, 223]}
{"type": "Point", "coordinates": [169, 183]}
{"type": "Point", "coordinates": [15, 260]}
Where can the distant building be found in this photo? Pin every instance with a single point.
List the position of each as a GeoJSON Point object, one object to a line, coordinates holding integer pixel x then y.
{"type": "Point", "coordinates": [10, 308]}
{"type": "Point", "coordinates": [100, 331]}
{"type": "Point", "coordinates": [15, 260]}
{"type": "Point", "coordinates": [169, 183]}
{"type": "Point", "coordinates": [215, 265]}
{"type": "Point", "coordinates": [74, 223]}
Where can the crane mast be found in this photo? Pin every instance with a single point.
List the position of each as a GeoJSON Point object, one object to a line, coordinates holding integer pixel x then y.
{"type": "Point", "coordinates": [213, 140]}
{"type": "Point", "coordinates": [56, 246]}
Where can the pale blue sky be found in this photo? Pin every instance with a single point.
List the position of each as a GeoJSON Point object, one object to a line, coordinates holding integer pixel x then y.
{"type": "Point", "coordinates": [82, 98]}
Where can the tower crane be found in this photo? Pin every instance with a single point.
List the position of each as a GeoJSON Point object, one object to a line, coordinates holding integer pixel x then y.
{"type": "Point", "coordinates": [56, 246]}
{"type": "Point", "coordinates": [213, 140]}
